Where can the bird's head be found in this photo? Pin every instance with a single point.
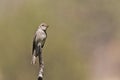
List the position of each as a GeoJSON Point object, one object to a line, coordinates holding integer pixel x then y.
{"type": "Point", "coordinates": [43, 26]}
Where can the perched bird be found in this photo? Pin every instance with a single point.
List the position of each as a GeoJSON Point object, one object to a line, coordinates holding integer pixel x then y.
{"type": "Point", "coordinates": [38, 43]}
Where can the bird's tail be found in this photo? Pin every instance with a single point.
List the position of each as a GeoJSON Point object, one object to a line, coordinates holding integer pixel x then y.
{"type": "Point", "coordinates": [34, 59]}
{"type": "Point", "coordinates": [38, 50]}
{"type": "Point", "coordinates": [36, 53]}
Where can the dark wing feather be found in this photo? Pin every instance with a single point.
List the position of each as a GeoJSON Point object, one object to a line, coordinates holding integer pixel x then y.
{"type": "Point", "coordinates": [34, 44]}
{"type": "Point", "coordinates": [43, 42]}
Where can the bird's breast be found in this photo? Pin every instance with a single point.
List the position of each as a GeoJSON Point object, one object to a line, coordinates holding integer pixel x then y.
{"type": "Point", "coordinates": [40, 35]}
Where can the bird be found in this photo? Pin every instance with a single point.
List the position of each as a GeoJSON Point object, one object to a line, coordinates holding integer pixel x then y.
{"type": "Point", "coordinates": [38, 43]}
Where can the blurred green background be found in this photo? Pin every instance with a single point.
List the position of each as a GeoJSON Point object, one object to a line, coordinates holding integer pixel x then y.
{"type": "Point", "coordinates": [81, 36]}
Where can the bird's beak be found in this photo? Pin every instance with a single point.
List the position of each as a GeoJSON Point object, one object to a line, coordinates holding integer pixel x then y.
{"type": "Point", "coordinates": [47, 26]}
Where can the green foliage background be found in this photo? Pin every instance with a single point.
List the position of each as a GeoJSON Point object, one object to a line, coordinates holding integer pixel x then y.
{"type": "Point", "coordinates": [76, 27]}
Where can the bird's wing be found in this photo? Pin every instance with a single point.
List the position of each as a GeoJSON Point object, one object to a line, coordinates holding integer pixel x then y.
{"type": "Point", "coordinates": [34, 44]}
{"type": "Point", "coordinates": [43, 42]}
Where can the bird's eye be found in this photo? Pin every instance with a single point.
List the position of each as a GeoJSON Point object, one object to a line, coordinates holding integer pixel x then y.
{"type": "Point", "coordinates": [42, 25]}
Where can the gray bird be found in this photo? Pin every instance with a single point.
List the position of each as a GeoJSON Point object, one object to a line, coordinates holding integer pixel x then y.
{"type": "Point", "coordinates": [38, 43]}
